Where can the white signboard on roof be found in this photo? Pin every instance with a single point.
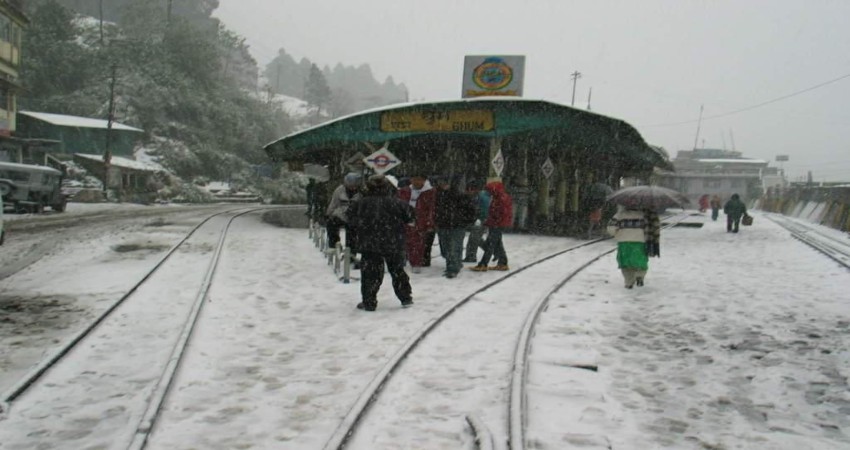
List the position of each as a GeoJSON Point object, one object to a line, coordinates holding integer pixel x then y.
{"type": "Point", "coordinates": [498, 163]}
{"type": "Point", "coordinates": [382, 160]}
{"type": "Point", "coordinates": [490, 75]}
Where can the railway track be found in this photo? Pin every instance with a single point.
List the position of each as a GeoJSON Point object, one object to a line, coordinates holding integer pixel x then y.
{"type": "Point", "coordinates": [507, 353]}
{"type": "Point", "coordinates": [120, 368]}
{"type": "Point", "coordinates": [836, 249]}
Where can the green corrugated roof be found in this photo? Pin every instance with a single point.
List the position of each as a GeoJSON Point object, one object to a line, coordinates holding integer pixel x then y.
{"type": "Point", "coordinates": [512, 117]}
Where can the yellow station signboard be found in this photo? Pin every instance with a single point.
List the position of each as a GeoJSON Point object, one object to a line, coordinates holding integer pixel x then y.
{"type": "Point", "coordinates": [419, 121]}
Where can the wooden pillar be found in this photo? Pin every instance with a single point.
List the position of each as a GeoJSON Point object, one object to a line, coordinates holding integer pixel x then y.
{"type": "Point", "coordinates": [542, 210]}
{"type": "Point", "coordinates": [562, 190]}
{"type": "Point", "coordinates": [574, 197]}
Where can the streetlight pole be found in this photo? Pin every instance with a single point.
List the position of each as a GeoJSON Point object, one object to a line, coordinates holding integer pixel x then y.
{"type": "Point", "coordinates": [575, 76]}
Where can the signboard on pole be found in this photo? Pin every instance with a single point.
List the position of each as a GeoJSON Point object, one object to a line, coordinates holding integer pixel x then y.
{"type": "Point", "coordinates": [485, 75]}
{"type": "Point", "coordinates": [781, 158]}
{"type": "Point", "coordinates": [498, 163]}
{"type": "Point", "coordinates": [382, 160]}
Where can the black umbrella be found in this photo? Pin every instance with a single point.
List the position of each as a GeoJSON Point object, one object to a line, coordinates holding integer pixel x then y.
{"type": "Point", "coordinates": [648, 197]}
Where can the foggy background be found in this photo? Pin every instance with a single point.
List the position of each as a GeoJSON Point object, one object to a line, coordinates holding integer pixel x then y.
{"type": "Point", "coordinates": [652, 63]}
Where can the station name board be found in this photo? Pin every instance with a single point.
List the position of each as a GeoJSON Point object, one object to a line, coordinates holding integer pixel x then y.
{"type": "Point", "coordinates": [423, 121]}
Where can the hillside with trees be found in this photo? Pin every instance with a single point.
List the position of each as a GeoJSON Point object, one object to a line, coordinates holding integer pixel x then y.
{"type": "Point", "coordinates": [181, 76]}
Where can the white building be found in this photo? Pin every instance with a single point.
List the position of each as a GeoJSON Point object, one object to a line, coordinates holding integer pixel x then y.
{"type": "Point", "coordinates": [722, 172]}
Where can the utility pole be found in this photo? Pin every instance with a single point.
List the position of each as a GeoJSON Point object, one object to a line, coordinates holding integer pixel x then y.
{"type": "Point", "coordinates": [699, 123]}
{"type": "Point", "coordinates": [167, 15]}
{"type": "Point", "coordinates": [575, 76]}
{"type": "Point", "coordinates": [589, 93]}
{"type": "Point", "coordinates": [107, 153]}
{"type": "Point", "coordinates": [101, 23]}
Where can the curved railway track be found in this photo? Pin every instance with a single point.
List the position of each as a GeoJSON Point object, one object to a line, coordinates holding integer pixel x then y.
{"type": "Point", "coordinates": [836, 249]}
{"type": "Point", "coordinates": [550, 267]}
{"type": "Point", "coordinates": [51, 231]}
{"type": "Point", "coordinates": [154, 314]}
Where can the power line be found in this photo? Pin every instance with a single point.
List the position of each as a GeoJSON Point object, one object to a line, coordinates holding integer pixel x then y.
{"type": "Point", "coordinates": [748, 108]}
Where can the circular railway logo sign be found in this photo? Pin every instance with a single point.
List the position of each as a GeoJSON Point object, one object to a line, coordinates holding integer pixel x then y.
{"type": "Point", "coordinates": [493, 74]}
{"type": "Point", "coordinates": [382, 160]}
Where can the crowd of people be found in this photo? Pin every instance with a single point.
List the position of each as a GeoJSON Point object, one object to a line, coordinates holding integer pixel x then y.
{"type": "Point", "coordinates": [394, 223]}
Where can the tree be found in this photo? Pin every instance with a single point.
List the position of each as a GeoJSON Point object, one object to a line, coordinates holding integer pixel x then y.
{"type": "Point", "coordinates": [317, 92]}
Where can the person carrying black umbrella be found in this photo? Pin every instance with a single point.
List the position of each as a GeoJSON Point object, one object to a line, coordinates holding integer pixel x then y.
{"type": "Point", "coordinates": [638, 235]}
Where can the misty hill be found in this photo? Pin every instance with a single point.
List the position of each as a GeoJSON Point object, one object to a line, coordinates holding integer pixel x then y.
{"type": "Point", "coordinates": [352, 88]}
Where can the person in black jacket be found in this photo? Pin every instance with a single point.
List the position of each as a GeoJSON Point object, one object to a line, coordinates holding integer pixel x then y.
{"type": "Point", "coordinates": [379, 219]}
{"type": "Point", "coordinates": [454, 213]}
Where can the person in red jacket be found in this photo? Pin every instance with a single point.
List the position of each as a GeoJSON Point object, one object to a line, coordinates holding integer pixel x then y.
{"type": "Point", "coordinates": [499, 217]}
{"type": "Point", "coordinates": [422, 197]}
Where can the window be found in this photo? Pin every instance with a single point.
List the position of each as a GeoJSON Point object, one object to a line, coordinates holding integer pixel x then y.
{"type": "Point", "coordinates": [4, 99]}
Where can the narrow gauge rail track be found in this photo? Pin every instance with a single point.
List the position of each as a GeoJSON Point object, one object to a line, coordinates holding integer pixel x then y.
{"type": "Point", "coordinates": [172, 337]}
{"type": "Point", "coordinates": [517, 404]}
{"type": "Point", "coordinates": [590, 253]}
{"type": "Point", "coordinates": [835, 249]}
{"type": "Point", "coordinates": [56, 223]}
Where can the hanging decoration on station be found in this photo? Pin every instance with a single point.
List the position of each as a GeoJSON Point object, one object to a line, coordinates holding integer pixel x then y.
{"type": "Point", "coordinates": [382, 160]}
{"type": "Point", "coordinates": [498, 163]}
{"type": "Point", "coordinates": [355, 162]}
{"type": "Point", "coordinates": [548, 168]}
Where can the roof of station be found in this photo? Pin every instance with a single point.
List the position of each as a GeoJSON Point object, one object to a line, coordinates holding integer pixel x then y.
{"type": "Point", "coordinates": [561, 126]}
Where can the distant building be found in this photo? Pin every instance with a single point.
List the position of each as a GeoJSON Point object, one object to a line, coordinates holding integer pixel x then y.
{"type": "Point", "coordinates": [12, 23]}
{"type": "Point", "coordinates": [723, 172]}
{"type": "Point", "coordinates": [78, 134]}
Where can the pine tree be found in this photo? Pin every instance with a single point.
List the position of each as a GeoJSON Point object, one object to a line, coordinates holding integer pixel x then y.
{"type": "Point", "coordinates": [317, 92]}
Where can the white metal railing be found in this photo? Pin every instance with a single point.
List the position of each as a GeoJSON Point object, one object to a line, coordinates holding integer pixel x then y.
{"type": "Point", "coordinates": [339, 256]}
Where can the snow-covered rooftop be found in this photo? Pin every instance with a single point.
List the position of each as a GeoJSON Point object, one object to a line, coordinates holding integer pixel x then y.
{"type": "Point", "coordinates": [76, 121]}
{"type": "Point", "coordinates": [732, 161]}
{"type": "Point", "coordinates": [126, 163]}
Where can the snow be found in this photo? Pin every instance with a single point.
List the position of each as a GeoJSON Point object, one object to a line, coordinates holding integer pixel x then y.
{"type": "Point", "coordinates": [126, 163]}
{"type": "Point", "coordinates": [737, 341]}
{"type": "Point", "coordinates": [76, 121]}
{"type": "Point", "coordinates": [733, 161]}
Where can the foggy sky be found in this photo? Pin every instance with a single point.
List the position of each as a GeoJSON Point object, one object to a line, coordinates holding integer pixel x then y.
{"type": "Point", "coordinates": [650, 62]}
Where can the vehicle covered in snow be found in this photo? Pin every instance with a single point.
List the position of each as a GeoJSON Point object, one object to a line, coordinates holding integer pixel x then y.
{"type": "Point", "coordinates": [30, 188]}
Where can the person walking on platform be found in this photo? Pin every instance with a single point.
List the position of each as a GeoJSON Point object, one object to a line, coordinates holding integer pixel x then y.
{"type": "Point", "coordinates": [422, 198]}
{"type": "Point", "coordinates": [499, 217]}
{"type": "Point", "coordinates": [455, 211]}
{"type": "Point", "coordinates": [638, 237]}
{"type": "Point", "coordinates": [715, 206]}
{"type": "Point", "coordinates": [703, 203]}
{"type": "Point", "coordinates": [734, 210]}
{"type": "Point", "coordinates": [379, 220]}
{"type": "Point", "coordinates": [341, 199]}
{"type": "Point", "coordinates": [481, 199]}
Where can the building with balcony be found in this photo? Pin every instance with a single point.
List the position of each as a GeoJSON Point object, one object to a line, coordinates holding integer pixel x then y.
{"type": "Point", "coordinates": [12, 23]}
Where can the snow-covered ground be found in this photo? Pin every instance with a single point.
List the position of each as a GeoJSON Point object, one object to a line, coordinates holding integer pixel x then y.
{"type": "Point", "coordinates": [736, 341]}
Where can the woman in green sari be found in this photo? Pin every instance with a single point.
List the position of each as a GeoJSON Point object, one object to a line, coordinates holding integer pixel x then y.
{"type": "Point", "coordinates": [637, 233]}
